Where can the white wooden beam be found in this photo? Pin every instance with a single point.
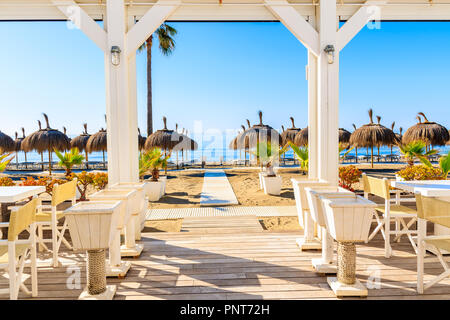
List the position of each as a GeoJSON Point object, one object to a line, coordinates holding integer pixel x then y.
{"type": "Point", "coordinates": [295, 22]}
{"type": "Point", "coordinates": [328, 96]}
{"type": "Point", "coordinates": [354, 25]}
{"type": "Point", "coordinates": [149, 23]}
{"type": "Point", "coordinates": [312, 69]}
{"type": "Point", "coordinates": [83, 21]}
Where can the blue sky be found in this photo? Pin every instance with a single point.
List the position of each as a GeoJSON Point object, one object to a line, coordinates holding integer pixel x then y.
{"type": "Point", "coordinates": [223, 73]}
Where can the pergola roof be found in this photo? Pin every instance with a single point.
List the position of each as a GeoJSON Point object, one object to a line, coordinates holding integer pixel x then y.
{"type": "Point", "coordinates": [231, 10]}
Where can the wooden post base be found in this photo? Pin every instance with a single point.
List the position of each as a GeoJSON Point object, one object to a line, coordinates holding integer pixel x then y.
{"type": "Point", "coordinates": [314, 244]}
{"type": "Point", "coordinates": [323, 267]}
{"type": "Point", "coordinates": [117, 271]}
{"type": "Point", "coordinates": [131, 252]}
{"type": "Point", "coordinates": [107, 295]}
{"type": "Point", "coordinates": [347, 290]}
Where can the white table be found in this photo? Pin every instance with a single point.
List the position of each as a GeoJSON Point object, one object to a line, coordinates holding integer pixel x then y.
{"type": "Point", "coordinates": [439, 189]}
{"type": "Point", "coordinates": [17, 193]}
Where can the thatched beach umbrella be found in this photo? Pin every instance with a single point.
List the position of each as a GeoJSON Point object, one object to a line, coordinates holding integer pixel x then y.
{"type": "Point", "coordinates": [301, 138]}
{"type": "Point", "coordinates": [259, 133]}
{"type": "Point", "coordinates": [18, 146]}
{"type": "Point", "coordinates": [164, 138]}
{"type": "Point", "coordinates": [98, 142]}
{"type": "Point", "coordinates": [6, 143]}
{"type": "Point", "coordinates": [80, 142]}
{"type": "Point", "coordinates": [289, 134]}
{"type": "Point", "coordinates": [429, 132]}
{"type": "Point", "coordinates": [141, 140]}
{"type": "Point", "coordinates": [344, 136]}
{"type": "Point", "coordinates": [372, 135]}
{"type": "Point", "coordinates": [47, 139]}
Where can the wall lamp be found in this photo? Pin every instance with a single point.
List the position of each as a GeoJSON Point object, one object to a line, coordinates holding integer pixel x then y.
{"type": "Point", "coordinates": [329, 50]}
{"type": "Point", "coordinates": [115, 55]}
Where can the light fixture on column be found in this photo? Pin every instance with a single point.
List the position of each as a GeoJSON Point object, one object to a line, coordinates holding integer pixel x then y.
{"type": "Point", "coordinates": [115, 55]}
{"type": "Point", "coordinates": [329, 50]}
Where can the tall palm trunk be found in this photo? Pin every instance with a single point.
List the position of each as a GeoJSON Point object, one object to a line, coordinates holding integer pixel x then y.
{"type": "Point", "coordinates": [149, 86]}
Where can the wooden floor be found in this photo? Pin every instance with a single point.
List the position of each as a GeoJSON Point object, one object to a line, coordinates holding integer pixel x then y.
{"type": "Point", "coordinates": [234, 258]}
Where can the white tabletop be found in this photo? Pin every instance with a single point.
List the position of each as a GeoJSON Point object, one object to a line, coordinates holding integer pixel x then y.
{"type": "Point", "coordinates": [17, 193]}
{"type": "Point", "coordinates": [427, 188]}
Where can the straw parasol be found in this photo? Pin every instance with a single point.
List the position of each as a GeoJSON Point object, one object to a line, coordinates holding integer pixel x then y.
{"type": "Point", "coordinates": [141, 140]}
{"type": "Point", "coordinates": [234, 143]}
{"type": "Point", "coordinates": [301, 138]}
{"type": "Point", "coordinates": [18, 146]}
{"type": "Point", "coordinates": [6, 143]}
{"type": "Point", "coordinates": [251, 137]}
{"type": "Point", "coordinates": [47, 139]}
{"type": "Point", "coordinates": [65, 132]}
{"type": "Point", "coordinates": [344, 135]}
{"type": "Point", "coordinates": [289, 134]}
{"type": "Point", "coordinates": [80, 142]}
{"type": "Point", "coordinates": [429, 132]}
{"type": "Point", "coordinates": [372, 135]}
{"type": "Point", "coordinates": [164, 138]}
{"type": "Point", "coordinates": [98, 142]}
{"type": "Point", "coordinates": [259, 133]}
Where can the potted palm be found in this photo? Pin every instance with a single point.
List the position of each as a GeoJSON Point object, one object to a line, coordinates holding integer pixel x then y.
{"type": "Point", "coordinates": [267, 154]}
{"type": "Point", "coordinates": [302, 154]}
{"type": "Point", "coordinates": [69, 159]}
{"type": "Point", "coordinates": [153, 161]}
{"type": "Point", "coordinates": [412, 151]}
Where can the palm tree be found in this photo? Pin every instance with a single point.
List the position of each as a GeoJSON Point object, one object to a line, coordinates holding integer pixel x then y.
{"type": "Point", "coordinates": [414, 150]}
{"type": "Point", "coordinates": [165, 34]}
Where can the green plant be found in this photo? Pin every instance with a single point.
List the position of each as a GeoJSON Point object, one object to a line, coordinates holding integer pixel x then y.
{"type": "Point", "coordinates": [152, 161]}
{"type": "Point", "coordinates": [420, 172]}
{"type": "Point", "coordinates": [444, 164]}
{"type": "Point", "coordinates": [6, 182]}
{"type": "Point", "coordinates": [348, 176]}
{"type": "Point", "coordinates": [302, 154]}
{"type": "Point", "coordinates": [416, 149]}
{"type": "Point", "coordinates": [69, 159]}
{"type": "Point", "coordinates": [267, 154]}
{"type": "Point", "coordinates": [4, 161]}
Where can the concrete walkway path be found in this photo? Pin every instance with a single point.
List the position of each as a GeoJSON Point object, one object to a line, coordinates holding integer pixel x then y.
{"type": "Point", "coordinates": [217, 190]}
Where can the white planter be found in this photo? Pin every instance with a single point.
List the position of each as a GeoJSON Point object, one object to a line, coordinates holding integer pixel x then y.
{"type": "Point", "coordinates": [154, 190]}
{"type": "Point", "coordinates": [90, 224]}
{"type": "Point", "coordinates": [300, 196]}
{"type": "Point", "coordinates": [313, 195]}
{"type": "Point", "coordinates": [261, 181]}
{"type": "Point", "coordinates": [348, 220]}
{"type": "Point", "coordinates": [272, 185]}
{"type": "Point", "coordinates": [163, 180]}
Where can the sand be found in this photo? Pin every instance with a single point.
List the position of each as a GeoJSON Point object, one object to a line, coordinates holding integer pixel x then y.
{"type": "Point", "coordinates": [167, 225]}
{"type": "Point", "coordinates": [280, 223]}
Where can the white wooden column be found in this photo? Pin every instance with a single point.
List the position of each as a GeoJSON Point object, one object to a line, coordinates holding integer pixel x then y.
{"type": "Point", "coordinates": [328, 95]}
{"type": "Point", "coordinates": [121, 116]}
{"type": "Point", "coordinates": [312, 111]}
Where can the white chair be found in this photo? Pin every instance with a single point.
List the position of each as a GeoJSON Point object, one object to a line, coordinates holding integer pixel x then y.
{"type": "Point", "coordinates": [48, 217]}
{"type": "Point", "coordinates": [386, 213]}
{"type": "Point", "coordinates": [438, 212]}
{"type": "Point", "coordinates": [14, 251]}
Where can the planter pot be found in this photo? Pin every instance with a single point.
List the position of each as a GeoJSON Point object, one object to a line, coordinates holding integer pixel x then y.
{"type": "Point", "coordinates": [154, 190]}
{"type": "Point", "coordinates": [163, 180]}
{"type": "Point", "coordinates": [261, 181]}
{"type": "Point", "coordinates": [348, 219]}
{"type": "Point", "coordinates": [301, 201]}
{"type": "Point", "coordinates": [272, 185]}
{"type": "Point", "coordinates": [314, 196]}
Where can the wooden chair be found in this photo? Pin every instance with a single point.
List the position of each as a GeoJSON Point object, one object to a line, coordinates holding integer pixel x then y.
{"type": "Point", "coordinates": [436, 211]}
{"type": "Point", "coordinates": [15, 251]}
{"type": "Point", "coordinates": [48, 220]}
{"type": "Point", "coordinates": [388, 212]}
